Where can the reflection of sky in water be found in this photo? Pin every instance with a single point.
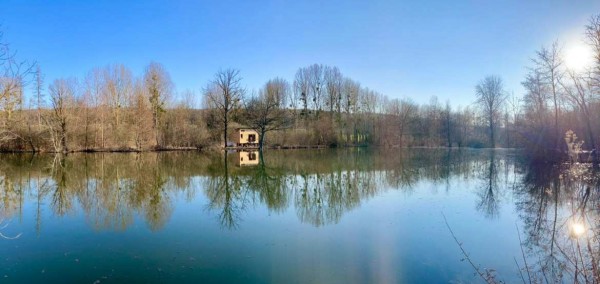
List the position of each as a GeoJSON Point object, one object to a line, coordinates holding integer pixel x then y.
{"type": "Point", "coordinates": [371, 221]}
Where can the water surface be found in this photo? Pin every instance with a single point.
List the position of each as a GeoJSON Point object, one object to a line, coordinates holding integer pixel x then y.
{"type": "Point", "coordinates": [306, 216]}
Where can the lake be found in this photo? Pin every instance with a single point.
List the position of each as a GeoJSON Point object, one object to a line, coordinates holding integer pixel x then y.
{"type": "Point", "coordinates": [355, 215]}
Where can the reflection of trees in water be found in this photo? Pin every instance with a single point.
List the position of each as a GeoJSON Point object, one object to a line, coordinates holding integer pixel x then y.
{"type": "Point", "coordinates": [111, 193]}
{"type": "Point", "coordinates": [318, 198]}
{"type": "Point", "coordinates": [109, 188]}
{"type": "Point", "coordinates": [62, 195]}
{"type": "Point", "coordinates": [559, 209]}
{"type": "Point", "coordinates": [322, 199]}
{"type": "Point", "coordinates": [18, 178]}
{"type": "Point", "coordinates": [270, 185]}
{"type": "Point", "coordinates": [321, 185]}
{"type": "Point", "coordinates": [324, 185]}
{"type": "Point", "coordinates": [488, 191]}
{"type": "Point", "coordinates": [10, 195]}
{"type": "Point", "coordinates": [157, 204]}
{"type": "Point", "coordinates": [226, 193]}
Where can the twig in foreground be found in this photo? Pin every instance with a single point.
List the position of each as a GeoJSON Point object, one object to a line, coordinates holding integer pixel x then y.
{"type": "Point", "coordinates": [488, 277]}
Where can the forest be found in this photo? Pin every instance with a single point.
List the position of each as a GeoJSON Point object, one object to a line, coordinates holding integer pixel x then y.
{"type": "Point", "coordinates": [112, 109]}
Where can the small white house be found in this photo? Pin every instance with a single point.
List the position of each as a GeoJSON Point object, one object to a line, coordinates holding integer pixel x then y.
{"type": "Point", "coordinates": [245, 137]}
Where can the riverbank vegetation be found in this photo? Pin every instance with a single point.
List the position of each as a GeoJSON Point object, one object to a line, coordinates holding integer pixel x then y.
{"type": "Point", "coordinates": [112, 109]}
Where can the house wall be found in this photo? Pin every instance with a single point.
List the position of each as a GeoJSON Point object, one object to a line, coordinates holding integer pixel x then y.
{"type": "Point", "coordinates": [243, 134]}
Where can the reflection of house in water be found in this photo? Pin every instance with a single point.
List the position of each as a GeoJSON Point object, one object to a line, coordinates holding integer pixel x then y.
{"type": "Point", "coordinates": [247, 158]}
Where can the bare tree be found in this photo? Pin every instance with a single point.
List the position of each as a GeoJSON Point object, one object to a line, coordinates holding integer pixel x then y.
{"type": "Point", "coordinates": [581, 94]}
{"type": "Point", "coordinates": [265, 113]}
{"type": "Point", "coordinates": [111, 88]}
{"type": "Point", "coordinates": [62, 94]}
{"type": "Point", "coordinates": [403, 112]}
{"type": "Point", "coordinates": [549, 63]}
{"type": "Point", "coordinates": [302, 88]}
{"type": "Point", "coordinates": [159, 85]}
{"type": "Point", "coordinates": [350, 92]}
{"type": "Point", "coordinates": [85, 115]}
{"type": "Point", "coordinates": [433, 118]}
{"type": "Point", "coordinates": [464, 123]}
{"type": "Point", "coordinates": [316, 82]}
{"type": "Point", "coordinates": [490, 98]}
{"type": "Point", "coordinates": [592, 32]}
{"type": "Point", "coordinates": [39, 96]}
{"type": "Point", "coordinates": [94, 88]}
{"type": "Point", "coordinates": [512, 118]}
{"type": "Point", "coordinates": [143, 116]}
{"type": "Point", "coordinates": [223, 97]}
{"type": "Point", "coordinates": [36, 102]}
{"type": "Point", "coordinates": [118, 88]}
{"type": "Point", "coordinates": [536, 96]}
{"type": "Point", "coordinates": [14, 76]}
{"type": "Point", "coordinates": [333, 84]}
{"type": "Point", "coordinates": [447, 125]}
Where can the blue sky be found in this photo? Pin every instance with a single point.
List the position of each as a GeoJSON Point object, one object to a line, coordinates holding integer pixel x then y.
{"type": "Point", "coordinates": [412, 49]}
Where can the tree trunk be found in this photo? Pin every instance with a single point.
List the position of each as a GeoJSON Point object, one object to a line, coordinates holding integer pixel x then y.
{"type": "Point", "coordinates": [63, 138]}
{"type": "Point", "coordinates": [556, 135]}
{"type": "Point", "coordinates": [225, 125]}
{"type": "Point", "coordinates": [589, 129]}
{"type": "Point", "coordinates": [590, 132]}
{"type": "Point", "coordinates": [492, 139]}
{"type": "Point", "coordinates": [261, 140]}
{"type": "Point", "coordinates": [448, 133]}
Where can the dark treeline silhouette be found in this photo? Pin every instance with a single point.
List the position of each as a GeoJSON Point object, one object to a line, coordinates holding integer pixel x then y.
{"type": "Point", "coordinates": [111, 109]}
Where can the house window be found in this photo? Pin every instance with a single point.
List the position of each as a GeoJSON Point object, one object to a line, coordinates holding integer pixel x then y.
{"type": "Point", "coordinates": [242, 136]}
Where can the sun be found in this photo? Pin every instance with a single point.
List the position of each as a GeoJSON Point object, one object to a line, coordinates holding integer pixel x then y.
{"type": "Point", "coordinates": [577, 229]}
{"type": "Point", "coordinates": [578, 57]}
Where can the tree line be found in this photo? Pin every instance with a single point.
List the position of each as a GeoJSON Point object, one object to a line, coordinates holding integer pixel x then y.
{"type": "Point", "coordinates": [110, 108]}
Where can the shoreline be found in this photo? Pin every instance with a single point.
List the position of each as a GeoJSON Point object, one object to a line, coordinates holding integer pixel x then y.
{"type": "Point", "coordinates": [215, 148]}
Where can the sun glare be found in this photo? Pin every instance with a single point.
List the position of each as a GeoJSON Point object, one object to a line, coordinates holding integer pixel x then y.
{"type": "Point", "coordinates": [578, 57]}
{"type": "Point", "coordinates": [577, 229]}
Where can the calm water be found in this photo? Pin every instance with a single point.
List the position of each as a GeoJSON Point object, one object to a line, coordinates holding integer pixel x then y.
{"type": "Point", "coordinates": [310, 216]}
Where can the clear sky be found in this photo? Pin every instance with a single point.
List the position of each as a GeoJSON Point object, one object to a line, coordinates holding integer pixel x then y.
{"type": "Point", "coordinates": [413, 49]}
